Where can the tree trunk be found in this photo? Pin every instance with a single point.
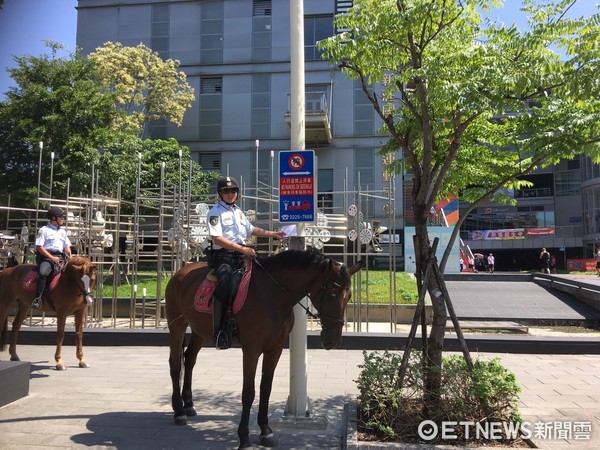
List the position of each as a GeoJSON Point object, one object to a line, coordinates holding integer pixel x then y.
{"type": "Point", "coordinates": [435, 342]}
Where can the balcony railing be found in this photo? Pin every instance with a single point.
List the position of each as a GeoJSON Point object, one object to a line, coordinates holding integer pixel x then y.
{"type": "Point", "coordinates": [317, 125]}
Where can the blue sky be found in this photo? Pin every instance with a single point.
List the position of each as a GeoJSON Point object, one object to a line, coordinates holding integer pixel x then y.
{"type": "Point", "coordinates": [26, 24]}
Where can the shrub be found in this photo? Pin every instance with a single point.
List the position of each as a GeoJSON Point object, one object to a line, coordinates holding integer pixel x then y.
{"type": "Point", "coordinates": [488, 393]}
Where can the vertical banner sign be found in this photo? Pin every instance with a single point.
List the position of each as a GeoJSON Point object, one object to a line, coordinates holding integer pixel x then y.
{"type": "Point", "coordinates": [297, 186]}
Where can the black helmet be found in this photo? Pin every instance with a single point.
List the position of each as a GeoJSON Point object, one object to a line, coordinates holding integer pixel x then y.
{"type": "Point", "coordinates": [227, 182]}
{"type": "Point", "coordinates": [55, 211]}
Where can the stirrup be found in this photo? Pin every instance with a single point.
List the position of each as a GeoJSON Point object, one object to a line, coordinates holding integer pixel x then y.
{"type": "Point", "coordinates": [221, 341]}
{"type": "Point", "coordinates": [36, 303]}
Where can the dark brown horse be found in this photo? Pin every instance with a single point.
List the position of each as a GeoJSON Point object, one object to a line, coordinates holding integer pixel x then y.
{"type": "Point", "coordinates": [70, 294]}
{"type": "Point", "coordinates": [263, 323]}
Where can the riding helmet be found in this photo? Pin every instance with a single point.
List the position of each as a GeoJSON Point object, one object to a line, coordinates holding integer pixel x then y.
{"type": "Point", "coordinates": [227, 182]}
{"type": "Point", "coordinates": [55, 211]}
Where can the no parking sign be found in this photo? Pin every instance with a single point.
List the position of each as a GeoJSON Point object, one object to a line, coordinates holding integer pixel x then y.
{"type": "Point", "coordinates": [297, 191]}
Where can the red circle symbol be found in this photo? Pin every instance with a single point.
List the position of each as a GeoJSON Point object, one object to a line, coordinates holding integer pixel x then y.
{"type": "Point", "coordinates": [296, 161]}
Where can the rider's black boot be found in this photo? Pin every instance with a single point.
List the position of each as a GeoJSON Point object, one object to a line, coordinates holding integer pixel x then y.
{"type": "Point", "coordinates": [221, 339]}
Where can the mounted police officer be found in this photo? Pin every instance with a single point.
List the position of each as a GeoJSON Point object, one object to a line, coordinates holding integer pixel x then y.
{"type": "Point", "coordinates": [228, 227]}
{"type": "Point", "coordinates": [52, 245]}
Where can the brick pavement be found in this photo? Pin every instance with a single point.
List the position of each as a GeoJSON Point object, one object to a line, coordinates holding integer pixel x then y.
{"type": "Point", "coordinates": [123, 400]}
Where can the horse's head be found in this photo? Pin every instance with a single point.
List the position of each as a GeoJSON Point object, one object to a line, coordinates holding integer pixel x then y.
{"type": "Point", "coordinates": [83, 271]}
{"type": "Point", "coordinates": [331, 300]}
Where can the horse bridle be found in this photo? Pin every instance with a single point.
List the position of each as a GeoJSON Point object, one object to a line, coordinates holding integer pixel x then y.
{"type": "Point", "coordinates": [333, 293]}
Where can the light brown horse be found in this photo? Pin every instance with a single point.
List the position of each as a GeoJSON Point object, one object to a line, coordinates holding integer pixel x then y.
{"type": "Point", "coordinates": [70, 295]}
{"type": "Point", "coordinates": [263, 323]}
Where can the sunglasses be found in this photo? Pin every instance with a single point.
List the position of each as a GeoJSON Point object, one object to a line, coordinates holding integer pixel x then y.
{"type": "Point", "coordinates": [230, 190]}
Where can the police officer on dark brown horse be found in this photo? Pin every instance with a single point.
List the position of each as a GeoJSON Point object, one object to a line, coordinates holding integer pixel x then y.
{"type": "Point", "coordinates": [228, 228]}
{"type": "Point", "coordinates": [52, 245]}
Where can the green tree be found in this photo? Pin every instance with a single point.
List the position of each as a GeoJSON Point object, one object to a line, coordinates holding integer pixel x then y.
{"type": "Point", "coordinates": [146, 86]}
{"type": "Point", "coordinates": [120, 161]}
{"type": "Point", "coordinates": [471, 104]}
{"type": "Point", "coordinates": [56, 102]}
{"type": "Point", "coordinates": [60, 102]}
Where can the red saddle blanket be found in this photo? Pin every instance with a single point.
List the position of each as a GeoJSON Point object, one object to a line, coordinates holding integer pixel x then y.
{"type": "Point", "coordinates": [203, 297]}
{"type": "Point", "coordinates": [30, 281]}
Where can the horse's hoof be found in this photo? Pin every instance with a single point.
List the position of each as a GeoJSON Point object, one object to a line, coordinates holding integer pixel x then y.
{"type": "Point", "coordinates": [190, 411]}
{"type": "Point", "coordinates": [268, 440]}
{"type": "Point", "coordinates": [180, 420]}
{"type": "Point", "coordinates": [15, 358]}
{"type": "Point", "coordinates": [84, 365]}
{"type": "Point", "coordinates": [245, 445]}
{"type": "Point", "coordinates": [61, 367]}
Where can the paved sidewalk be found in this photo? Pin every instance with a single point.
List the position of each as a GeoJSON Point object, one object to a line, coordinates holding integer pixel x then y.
{"type": "Point", "coordinates": [123, 400]}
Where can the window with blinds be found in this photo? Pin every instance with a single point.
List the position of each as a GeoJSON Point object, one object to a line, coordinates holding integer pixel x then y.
{"type": "Point", "coordinates": [211, 107]}
{"type": "Point", "coordinates": [261, 8]}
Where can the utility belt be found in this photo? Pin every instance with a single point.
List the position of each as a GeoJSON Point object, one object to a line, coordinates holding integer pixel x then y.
{"type": "Point", "coordinates": [217, 257]}
{"type": "Point", "coordinates": [39, 257]}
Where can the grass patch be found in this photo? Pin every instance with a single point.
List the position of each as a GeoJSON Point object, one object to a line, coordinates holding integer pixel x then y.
{"type": "Point", "coordinates": [145, 280]}
{"type": "Point", "coordinates": [378, 287]}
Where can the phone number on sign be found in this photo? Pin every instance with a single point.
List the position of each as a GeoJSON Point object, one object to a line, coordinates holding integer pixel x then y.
{"type": "Point", "coordinates": [297, 217]}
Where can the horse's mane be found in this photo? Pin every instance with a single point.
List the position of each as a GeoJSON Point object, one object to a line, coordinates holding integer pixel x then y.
{"type": "Point", "coordinates": [296, 259]}
{"type": "Point", "coordinates": [78, 260]}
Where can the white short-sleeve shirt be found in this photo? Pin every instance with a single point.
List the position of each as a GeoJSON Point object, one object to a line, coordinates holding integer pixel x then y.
{"type": "Point", "coordinates": [230, 222]}
{"type": "Point", "coordinates": [52, 238]}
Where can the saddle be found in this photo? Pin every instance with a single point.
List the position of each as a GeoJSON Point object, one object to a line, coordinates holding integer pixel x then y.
{"type": "Point", "coordinates": [30, 281]}
{"type": "Point", "coordinates": [203, 299]}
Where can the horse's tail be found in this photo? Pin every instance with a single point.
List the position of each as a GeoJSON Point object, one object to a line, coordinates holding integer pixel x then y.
{"type": "Point", "coordinates": [3, 334]}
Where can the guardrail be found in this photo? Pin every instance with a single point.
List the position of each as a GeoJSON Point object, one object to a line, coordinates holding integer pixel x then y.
{"type": "Point", "coordinates": [588, 293]}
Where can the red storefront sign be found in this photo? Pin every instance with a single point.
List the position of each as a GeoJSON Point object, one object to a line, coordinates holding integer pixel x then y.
{"type": "Point", "coordinates": [581, 265]}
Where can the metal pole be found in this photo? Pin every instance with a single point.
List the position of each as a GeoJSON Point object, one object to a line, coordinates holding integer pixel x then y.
{"type": "Point", "coordinates": [256, 146]}
{"type": "Point", "coordinates": [298, 403]}
{"type": "Point", "coordinates": [51, 173]}
{"type": "Point", "coordinates": [37, 205]}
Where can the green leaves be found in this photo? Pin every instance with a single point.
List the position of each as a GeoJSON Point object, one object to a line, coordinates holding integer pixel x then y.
{"type": "Point", "coordinates": [466, 91]}
{"type": "Point", "coordinates": [142, 83]}
{"type": "Point", "coordinates": [89, 113]}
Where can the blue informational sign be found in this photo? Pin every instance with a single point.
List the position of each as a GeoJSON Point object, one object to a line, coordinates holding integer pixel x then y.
{"type": "Point", "coordinates": [297, 186]}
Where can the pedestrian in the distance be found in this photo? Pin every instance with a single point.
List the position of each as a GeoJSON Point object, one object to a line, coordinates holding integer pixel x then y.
{"type": "Point", "coordinates": [491, 262]}
{"type": "Point", "coordinates": [545, 261]}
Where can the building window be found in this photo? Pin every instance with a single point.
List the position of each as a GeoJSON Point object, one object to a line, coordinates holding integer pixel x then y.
{"type": "Point", "coordinates": [568, 182]}
{"type": "Point", "coordinates": [325, 194]}
{"type": "Point", "coordinates": [364, 121]}
{"type": "Point", "coordinates": [261, 106]}
{"type": "Point", "coordinates": [316, 28]}
{"type": "Point", "coordinates": [210, 161]}
{"type": "Point", "coordinates": [342, 7]}
{"type": "Point", "coordinates": [211, 107]}
{"type": "Point", "coordinates": [543, 186]}
{"type": "Point", "coordinates": [364, 173]}
{"type": "Point", "coordinates": [157, 129]}
{"type": "Point", "coordinates": [261, 30]}
{"type": "Point", "coordinates": [160, 30]}
{"type": "Point", "coordinates": [211, 32]}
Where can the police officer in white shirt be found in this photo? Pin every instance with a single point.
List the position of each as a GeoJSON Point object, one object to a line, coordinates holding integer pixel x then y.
{"type": "Point", "coordinates": [228, 227]}
{"type": "Point", "coordinates": [52, 245]}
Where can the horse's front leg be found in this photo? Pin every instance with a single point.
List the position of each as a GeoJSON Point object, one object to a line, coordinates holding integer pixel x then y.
{"type": "Point", "coordinates": [270, 360]}
{"type": "Point", "coordinates": [176, 338]}
{"type": "Point", "coordinates": [22, 311]}
{"type": "Point", "coordinates": [79, 318]}
{"type": "Point", "coordinates": [61, 319]}
{"type": "Point", "coordinates": [189, 361]}
{"type": "Point", "coordinates": [248, 392]}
